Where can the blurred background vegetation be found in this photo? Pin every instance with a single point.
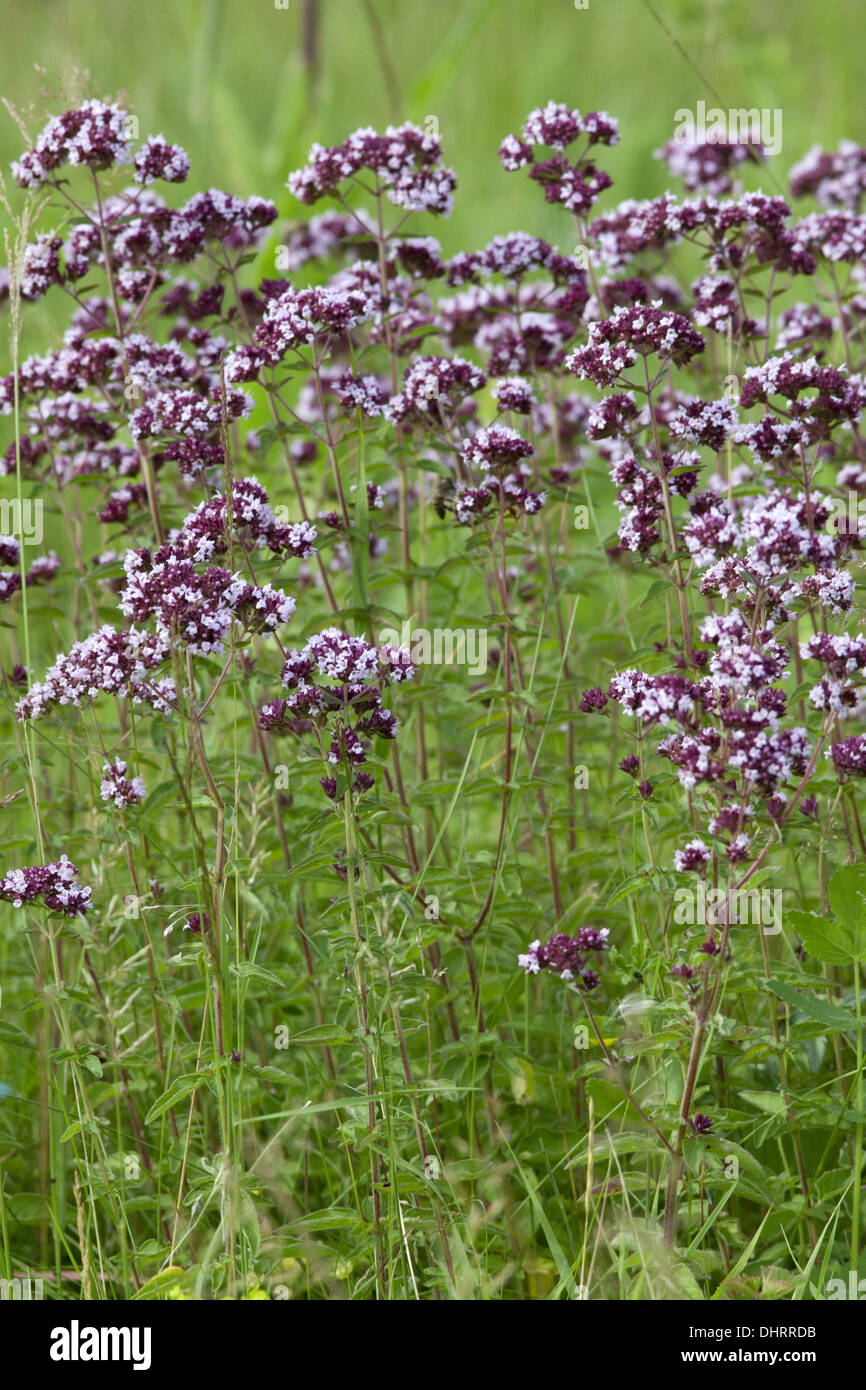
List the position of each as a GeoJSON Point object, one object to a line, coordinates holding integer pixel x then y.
{"type": "Point", "coordinates": [245, 87]}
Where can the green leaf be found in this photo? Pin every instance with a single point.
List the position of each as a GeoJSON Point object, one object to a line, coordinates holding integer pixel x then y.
{"type": "Point", "coordinates": [659, 586]}
{"type": "Point", "coordinates": [829, 1015]}
{"type": "Point", "coordinates": [821, 938]}
{"type": "Point", "coordinates": [628, 886]}
{"type": "Point", "coordinates": [848, 901]}
{"type": "Point", "coordinates": [177, 1091]}
{"type": "Point", "coordinates": [522, 1080]}
{"type": "Point", "coordinates": [323, 1033]}
{"type": "Point", "coordinates": [333, 1219]}
{"type": "Point", "coordinates": [246, 970]}
{"type": "Point", "coordinates": [769, 1101]}
{"type": "Point", "coordinates": [166, 1279]}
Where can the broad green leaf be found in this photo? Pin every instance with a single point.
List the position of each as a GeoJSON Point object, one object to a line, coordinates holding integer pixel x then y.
{"type": "Point", "coordinates": [821, 938]}
{"type": "Point", "coordinates": [769, 1101]}
{"type": "Point", "coordinates": [830, 1015]}
{"type": "Point", "coordinates": [848, 901]}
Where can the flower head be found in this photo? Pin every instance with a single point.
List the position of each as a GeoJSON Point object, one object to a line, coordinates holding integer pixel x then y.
{"type": "Point", "coordinates": [405, 160]}
{"type": "Point", "coordinates": [567, 956]}
{"type": "Point", "coordinates": [94, 134]}
{"type": "Point", "coordinates": [54, 886]}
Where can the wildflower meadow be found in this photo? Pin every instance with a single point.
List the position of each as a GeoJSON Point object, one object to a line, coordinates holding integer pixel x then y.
{"type": "Point", "coordinates": [434, 708]}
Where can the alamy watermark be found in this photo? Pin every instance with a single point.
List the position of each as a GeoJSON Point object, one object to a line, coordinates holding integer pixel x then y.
{"type": "Point", "coordinates": [441, 646]}
{"type": "Point", "coordinates": [854, 1289]}
{"type": "Point", "coordinates": [712, 907]}
{"type": "Point", "coordinates": [738, 126]}
{"type": "Point", "coordinates": [848, 515]}
{"type": "Point", "coordinates": [21, 518]}
{"type": "Point", "coordinates": [20, 1289]}
{"type": "Point", "coordinates": [77, 1343]}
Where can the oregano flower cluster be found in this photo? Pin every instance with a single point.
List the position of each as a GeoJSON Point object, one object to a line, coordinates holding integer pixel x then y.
{"type": "Point", "coordinates": [736, 487]}
{"type": "Point", "coordinates": [256, 444]}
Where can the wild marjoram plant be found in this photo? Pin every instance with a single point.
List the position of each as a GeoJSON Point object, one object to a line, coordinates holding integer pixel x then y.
{"type": "Point", "coordinates": [275, 1017]}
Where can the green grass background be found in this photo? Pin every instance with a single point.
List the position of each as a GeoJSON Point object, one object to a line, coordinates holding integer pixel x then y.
{"type": "Point", "coordinates": [228, 81]}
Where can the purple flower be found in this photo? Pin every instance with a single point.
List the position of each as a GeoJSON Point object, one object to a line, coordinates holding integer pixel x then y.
{"type": "Point", "coordinates": [693, 858]}
{"type": "Point", "coordinates": [496, 449]}
{"type": "Point", "coordinates": [615, 344]}
{"type": "Point", "coordinates": [365, 393]}
{"type": "Point", "coordinates": [94, 135]}
{"type": "Point", "coordinates": [41, 265]}
{"type": "Point", "coordinates": [203, 532]}
{"type": "Point", "coordinates": [108, 661]}
{"type": "Point", "coordinates": [116, 509]}
{"type": "Point", "coordinates": [55, 885]}
{"type": "Point", "coordinates": [339, 680]}
{"type": "Point", "coordinates": [433, 387]}
{"type": "Point", "coordinates": [700, 1124]}
{"type": "Point", "coordinates": [406, 163]}
{"type": "Point", "coordinates": [156, 159]}
{"type": "Point", "coordinates": [837, 178]}
{"type": "Point", "coordinates": [293, 320]}
{"type": "Point", "coordinates": [575, 185]}
{"type": "Point", "coordinates": [116, 787]}
{"type": "Point", "coordinates": [849, 756]}
{"type": "Point", "coordinates": [594, 699]}
{"type": "Point", "coordinates": [197, 609]}
{"type": "Point", "coordinates": [514, 393]}
{"type": "Point", "coordinates": [566, 955]}
{"type": "Point", "coordinates": [707, 166]}
{"type": "Point", "coordinates": [187, 414]}
{"type": "Point", "coordinates": [321, 238]}
{"type": "Point", "coordinates": [611, 416]}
